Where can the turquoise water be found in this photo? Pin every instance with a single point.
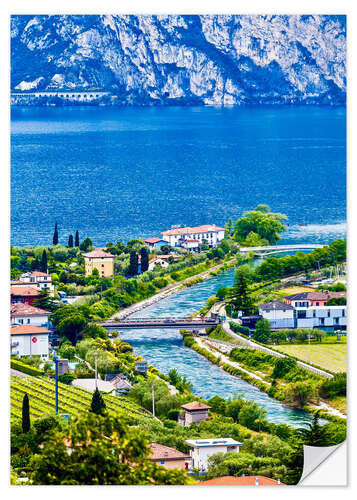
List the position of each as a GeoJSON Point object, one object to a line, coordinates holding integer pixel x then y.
{"type": "Point", "coordinates": [165, 349]}
{"type": "Point", "coordinates": [132, 172]}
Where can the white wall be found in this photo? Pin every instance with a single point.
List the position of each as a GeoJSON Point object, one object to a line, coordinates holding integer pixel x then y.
{"type": "Point", "coordinates": [31, 320]}
{"type": "Point", "coordinates": [26, 346]}
{"type": "Point", "coordinates": [201, 455]}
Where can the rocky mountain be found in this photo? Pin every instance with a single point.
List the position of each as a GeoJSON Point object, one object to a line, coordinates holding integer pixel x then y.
{"type": "Point", "coordinates": [209, 59]}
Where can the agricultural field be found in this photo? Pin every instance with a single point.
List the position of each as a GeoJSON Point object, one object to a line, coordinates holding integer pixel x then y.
{"type": "Point", "coordinates": [71, 400]}
{"type": "Point", "coordinates": [333, 357]}
{"type": "Point", "coordinates": [291, 290]}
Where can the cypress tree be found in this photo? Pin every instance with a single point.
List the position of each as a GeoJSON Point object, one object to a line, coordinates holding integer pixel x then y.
{"type": "Point", "coordinates": [97, 405]}
{"type": "Point", "coordinates": [134, 264]}
{"type": "Point", "coordinates": [55, 235]}
{"type": "Point", "coordinates": [76, 241]}
{"type": "Point", "coordinates": [70, 241]}
{"type": "Point", "coordinates": [144, 253]}
{"type": "Point", "coordinates": [44, 262]}
{"type": "Point", "coordinates": [26, 423]}
{"type": "Point", "coordinates": [239, 296]}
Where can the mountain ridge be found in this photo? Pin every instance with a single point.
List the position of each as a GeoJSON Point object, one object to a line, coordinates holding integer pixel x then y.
{"type": "Point", "coordinates": [189, 59]}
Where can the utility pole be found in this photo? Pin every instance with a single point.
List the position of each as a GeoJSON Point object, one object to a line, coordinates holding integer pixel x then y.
{"type": "Point", "coordinates": [153, 399]}
{"type": "Point", "coordinates": [308, 336]}
{"type": "Point", "coordinates": [55, 359]}
{"type": "Point", "coordinates": [96, 368]}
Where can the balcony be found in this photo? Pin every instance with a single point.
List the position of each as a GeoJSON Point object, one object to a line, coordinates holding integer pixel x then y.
{"type": "Point", "coordinates": [14, 344]}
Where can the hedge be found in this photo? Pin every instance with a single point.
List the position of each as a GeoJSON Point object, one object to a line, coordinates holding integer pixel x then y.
{"type": "Point", "coordinates": [28, 369]}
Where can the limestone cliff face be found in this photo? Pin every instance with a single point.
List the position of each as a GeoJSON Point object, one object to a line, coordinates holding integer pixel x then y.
{"type": "Point", "coordinates": [210, 59]}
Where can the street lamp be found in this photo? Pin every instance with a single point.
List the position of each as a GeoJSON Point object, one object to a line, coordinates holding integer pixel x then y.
{"type": "Point", "coordinates": [55, 359]}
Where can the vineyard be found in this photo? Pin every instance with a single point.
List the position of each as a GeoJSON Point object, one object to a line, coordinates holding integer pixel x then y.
{"type": "Point", "coordinates": [71, 400]}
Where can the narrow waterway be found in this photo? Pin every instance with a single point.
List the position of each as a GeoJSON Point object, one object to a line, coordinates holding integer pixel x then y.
{"type": "Point", "coordinates": [164, 348]}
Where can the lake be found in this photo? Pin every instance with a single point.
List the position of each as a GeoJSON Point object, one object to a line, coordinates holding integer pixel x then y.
{"type": "Point", "coordinates": [132, 172]}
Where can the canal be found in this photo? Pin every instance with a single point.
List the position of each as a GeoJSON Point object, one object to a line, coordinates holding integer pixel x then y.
{"type": "Point", "coordinates": [164, 348]}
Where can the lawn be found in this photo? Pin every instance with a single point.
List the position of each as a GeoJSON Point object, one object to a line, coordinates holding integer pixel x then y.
{"type": "Point", "coordinates": [333, 357]}
{"type": "Point", "coordinates": [291, 290]}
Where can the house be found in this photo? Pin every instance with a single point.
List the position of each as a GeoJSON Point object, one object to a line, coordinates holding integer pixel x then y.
{"type": "Point", "coordinates": [322, 317]}
{"type": "Point", "coordinates": [189, 244]}
{"type": "Point", "coordinates": [170, 458]}
{"type": "Point", "coordinates": [158, 260]}
{"type": "Point", "coordinates": [279, 314]}
{"type": "Point", "coordinates": [100, 260]}
{"type": "Point", "coordinates": [308, 299]}
{"type": "Point", "coordinates": [284, 315]}
{"type": "Point", "coordinates": [194, 412]}
{"type": "Point", "coordinates": [90, 384]}
{"type": "Point", "coordinates": [29, 340]}
{"type": "Point", "coordinates": [156, 243]}
{"type": "Point", "coordinates": [209, 234]}
{"type": "Point", "coordinates": [25, 314]}
{"type": "Point", "coordinates": [119, 381]}
{"type": "Point", "coordinates": [203, 449]}
{"type": "Point", "coordinates": [37, 278]}
{"type": "Point", "coordinates": [25, 294]}
{"type": "Point", "coordinates": [141, 366]}
{"type": "Point", "coordinates": [241, 481]}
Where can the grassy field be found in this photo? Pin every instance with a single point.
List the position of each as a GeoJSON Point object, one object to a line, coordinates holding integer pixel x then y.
{"type": "Point", "coordinates": [291, 290]}
{"type": "Point", "coordinates": [333, 357]}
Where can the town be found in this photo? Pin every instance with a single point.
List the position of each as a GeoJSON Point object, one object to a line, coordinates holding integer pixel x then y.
{"type": "Point", "coordinates": [71, 304]}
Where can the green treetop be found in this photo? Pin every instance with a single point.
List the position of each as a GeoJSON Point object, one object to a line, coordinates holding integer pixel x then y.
{"type": "Point", "coordinates": [144, 253]}
{"type": "Point", "coordinates": [267, 225]}
{"type": "Point", "coordinates": [76, 241]}
{"type": "Point", "coordinates": [70, 241]}
{"type": "Point", "coordinates": [102, 450]}
{"type": "Point", "coordinates": [26, 423]}
{"type": "Point", "coordinates": [98, 404]}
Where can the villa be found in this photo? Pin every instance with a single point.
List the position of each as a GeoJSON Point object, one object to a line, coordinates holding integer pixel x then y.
{"type": "Point", "coordinates": [25, 294]}
{"type": "Point", "coordinates": [37, 278]}
{"type": "Point", "coordinates": [209, 234]}
{"type": "Point", "coordinates": [155, 243]}
{"type": "Point", "coordinates": [203, 449]}
{"type": "Point", "coordinates": [25, 314]}
{"type": "Point", "coordinates": [170, 458]}
{"type": "Point", "coordinates": [100, 260]}
{"type": "Point", "coordinates": [308, 299]}
{"type": "Point", "coordinates": [29, 340]}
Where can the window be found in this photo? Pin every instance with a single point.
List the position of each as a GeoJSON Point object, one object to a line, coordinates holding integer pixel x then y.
{"type": "Point", "coordinates": [336, 321]}
{"type": "Point", "coordinates": [343, 312]}
{"type": "Point", "coordinates": [317, 303]}
{"type": "Point", "coordinates": [162, 462]}
{"type": "Point", "coordinates": [322, 321]}
{"type": "Point", "coordinates": [28, 321]}
{"type": "Point", "coordinates": [328, 313]}
{"type": "Point", "coordinates": [314, 314]}
{"type": "Point", "coordinates": [21, 321]}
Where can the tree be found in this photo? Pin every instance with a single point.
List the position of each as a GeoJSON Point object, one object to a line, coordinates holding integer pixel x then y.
{"type": "Point", "coordinates": [55, 235]}
{"type": "Point", "coordinates": [70, 241]}
{"type": "Point", "coordinates": [262, 331]}
{"type": "Point", "coordinates": [315, 434]}
{"type": "Point", "coordinates": [45, 301]}
{"type": "Point", "coordinates": [250, 413]}
{"type": "Point", "coordinates": [267, 225]}
{"type": "Point", "coordinates": [144, 253]}
{"type": "Point", "coordinates": [228, 228]}
{"type": "Point", "coordinates": [103, 450]}
{"type": "Point", "coordinates": [134, 263]}
{"type": "Point", "coordinates": [86, 244]}
{"type": "Point", "coordinates": [239, 297]}
{"type": "Point", "coordinates": [97, 405]}
{"type": "Point", "coordinates": [67, 351]}
{"type": "Point", "coordinates": [44, 262]}
{"type": "Point", "coordinates": [76, 240]}
{"type": "Point", "coordinates": [283, 366]}
{"type": "Point", "coordinates": [26, 422]}
{"type": "Point", "coordinates": [299, 393]}
{"type": "Point", "coordinates": [70, 326]}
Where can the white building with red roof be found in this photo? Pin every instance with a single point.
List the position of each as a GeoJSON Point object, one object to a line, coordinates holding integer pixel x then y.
{"type": "Point", "coordinates": [26, 314]}
{"type": "Point", "coordinates": [38, 279]}
{"type": "Point", "coordinates": [29, 340]}
{"type": "Point", "coordinates": [209, 234]}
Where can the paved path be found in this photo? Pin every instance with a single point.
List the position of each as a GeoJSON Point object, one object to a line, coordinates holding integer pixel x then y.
{"type": "Point", "coordinates": [225, 359]}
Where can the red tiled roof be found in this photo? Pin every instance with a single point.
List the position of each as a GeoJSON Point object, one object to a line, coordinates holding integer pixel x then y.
{"type": "Point", "coordinates": [24, 291]}
{"type": "Point", "coordinates": [36, 273]}
{"type": "Point", "coordinates": [23, 329]}
{"type": "Point", "coordinates": [153, 240]}
{"type": "Point", "coordinates": [161, 452]}
{"type": "Point", "coordinates": [21, 309]}
{"type": "Point", "coordinates": [193, 230]}
{"type": "Point", "coordinates": [97, 253]}
{"type": "Point", "coordinates": [195, 405]}
{"type": "Point", "coordinates": [240, 481]}
{"type": "Point", "coordinates": [315, 295]}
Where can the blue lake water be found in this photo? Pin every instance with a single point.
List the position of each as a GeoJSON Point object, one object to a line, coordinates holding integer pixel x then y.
{"type": "Point", "coordinates": [133, 172]}
{"type": "Point", "coordinates": [165, 349]}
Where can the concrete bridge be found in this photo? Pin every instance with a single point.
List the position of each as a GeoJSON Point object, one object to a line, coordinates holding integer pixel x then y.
{"type": "Point", "coordinates": [145, 323]}
{"type": "Point", "coordinates": [273, 249]}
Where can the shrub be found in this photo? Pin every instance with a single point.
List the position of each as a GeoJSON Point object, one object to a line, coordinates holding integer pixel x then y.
{"type": "Point", "coordinates": [22, 367]}
{"type": "Point", "coordinates": [283, 366]}
{"type": "Point", "coordinates": [66, 378]}
{"type": "Point", "coordinates": [335, 386]}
